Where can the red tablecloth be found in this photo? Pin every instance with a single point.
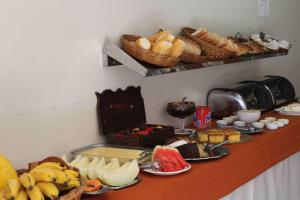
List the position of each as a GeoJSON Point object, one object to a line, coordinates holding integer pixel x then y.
{"type": "Point", "coordinates": [215, 179]}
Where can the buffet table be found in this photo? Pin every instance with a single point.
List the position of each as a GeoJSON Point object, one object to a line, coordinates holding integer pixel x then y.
{"type": "Point", "coordinates": [216, 179]}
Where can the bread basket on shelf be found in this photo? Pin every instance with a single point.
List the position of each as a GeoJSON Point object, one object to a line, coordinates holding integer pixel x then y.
{"type": "Point", "coordinates": [192, 58]}
{"type": "Point", "coordinates": [129, 46]}
{"type": "Point", "coordinates": [213, 52]}
{"type": "Point", "coordinates": [192, 52]}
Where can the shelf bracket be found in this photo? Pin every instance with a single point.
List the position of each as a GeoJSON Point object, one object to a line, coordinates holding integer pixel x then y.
{"type": "Point", "coordinates": [113, 55]}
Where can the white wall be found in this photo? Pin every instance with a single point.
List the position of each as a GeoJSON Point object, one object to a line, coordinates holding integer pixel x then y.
{"type": "Point", "coordinates": [50, 63]}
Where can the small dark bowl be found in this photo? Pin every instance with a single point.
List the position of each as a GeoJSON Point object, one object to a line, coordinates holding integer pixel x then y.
{"type": "Point", "coordinates": [179, 110]}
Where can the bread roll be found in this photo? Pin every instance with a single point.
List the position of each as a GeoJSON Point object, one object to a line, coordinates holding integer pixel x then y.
{"type": "Point", "coordinates": [177, 48]}
{"type": "Point", "coordinates": [162, 47]}
{"type": "Point", "coordinates": [166, 37]}
{"type": "Point", "coordinates": [144, 43]}
{"type": "Point", "coordinates": [191, 47]}
{"type": "Point", "coordinates": [154, 37]}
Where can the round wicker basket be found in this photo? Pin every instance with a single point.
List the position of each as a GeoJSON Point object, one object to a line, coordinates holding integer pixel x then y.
{"type": "Point", "coordinates": [129, 46]}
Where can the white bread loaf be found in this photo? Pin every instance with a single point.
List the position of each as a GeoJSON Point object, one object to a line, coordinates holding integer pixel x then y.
{"type": "Point", "coordinates": [166, 37]}
{"type": "Point", "coordinates": [191, 47]}
{"type": "Point", "coordinates": [177, 48]}
{"type": "Point", "coordinates": [154, 37]}
{"type": "Point", "coordinates": [162, 47]}
{"type": "Point", "coordinates": [144, 43]}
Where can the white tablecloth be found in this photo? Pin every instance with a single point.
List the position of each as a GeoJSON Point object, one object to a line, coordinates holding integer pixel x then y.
{"type": "Point", "coordinates": [281, 182]}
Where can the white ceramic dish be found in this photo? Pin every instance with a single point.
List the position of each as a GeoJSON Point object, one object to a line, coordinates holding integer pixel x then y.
{"type": "Point", "coordinates": [222, 122]}
{"type": "Point", "coordinates": [239, 123]}
{"type": "Point", "coordinates": [264, 121]}
{"type": "Point", "coordinates": [272, 126]}
{"type": "Point", "coordinates": [228, 119]}
{"type": "Point", "coordinates": [258, 124]}
{"type": "Point", "coordinates": [159, 173]}
{"type": "Point", "coordinates": [284, 121]}
{"type": "Point", "coordinates": [280, 124]}
{"type": "Point", "coordinates": [248, 116]}
{"type": "Point", "coordinates": [270, 119]}
{"type": "Point", "coordinates": [234, 117]}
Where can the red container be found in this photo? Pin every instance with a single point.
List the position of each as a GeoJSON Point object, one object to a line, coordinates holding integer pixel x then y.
{"type": "Point", "coordinates": [202, 117]}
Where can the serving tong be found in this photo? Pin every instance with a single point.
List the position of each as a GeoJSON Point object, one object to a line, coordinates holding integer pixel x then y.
{"type": "Point", "coordinates": [248, 129]}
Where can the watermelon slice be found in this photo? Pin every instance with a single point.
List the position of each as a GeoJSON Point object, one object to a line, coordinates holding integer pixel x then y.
{"type": "Point", "coordinates": [169, 159]}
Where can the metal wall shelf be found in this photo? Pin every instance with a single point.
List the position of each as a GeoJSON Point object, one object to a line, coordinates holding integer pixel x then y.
{"type": "Point", "coordinates": [113, 55]}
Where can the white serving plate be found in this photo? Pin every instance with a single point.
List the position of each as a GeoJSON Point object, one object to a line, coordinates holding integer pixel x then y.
{"type": "Point", "coordinates": [159, 173]}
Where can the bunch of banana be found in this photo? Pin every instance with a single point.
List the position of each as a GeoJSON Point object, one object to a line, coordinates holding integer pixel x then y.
{"type": "Point", "coordinates": [45, 180]}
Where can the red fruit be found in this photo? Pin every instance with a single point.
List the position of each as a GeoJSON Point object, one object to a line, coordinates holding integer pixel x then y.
{"type": "Point", "coordinates": [169, 159]}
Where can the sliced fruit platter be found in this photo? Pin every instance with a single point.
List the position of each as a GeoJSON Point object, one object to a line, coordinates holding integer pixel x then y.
{"type": "Point", "coordinates": [111, 175]}
{"type": "Point", "coordinates": [166, 161]}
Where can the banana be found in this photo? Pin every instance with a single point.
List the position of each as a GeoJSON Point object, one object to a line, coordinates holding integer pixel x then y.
{"type": "Point", "coordinates": [71, 184]}
{"type": "Point", "coordinates": [48, 189]}
{"type": "Point", "coordinates": [35, 193]}
{"type": "Point", "coordinates": [27, 181]}
{"type": "Point", "coordinates": [71, 174]}
{"type": "Point", "coordinates": [43, 175]}
{"type": "Point", "coordinates": [12, 188]}
{"type": "Point", "coordinates": [60, 177]}
{"type": "Point", "coordinates": [22, 195]}
{"type": "Point", "coordinates": [48, 165]}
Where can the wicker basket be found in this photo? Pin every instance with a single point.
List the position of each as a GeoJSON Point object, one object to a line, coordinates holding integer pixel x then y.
{"type": "Point", "coordinates": [192, 58]}
{"type": "Point", "coordinates": [74, 194]}
{"type": "Point", "coordinates": [213, 52]}
{"type": "Point", "coordinates": [128, 45]}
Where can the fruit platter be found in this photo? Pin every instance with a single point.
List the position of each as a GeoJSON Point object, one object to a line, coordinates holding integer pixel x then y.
{"type": "Point", "coordinates": [166, 161]}
{"type": "Point", "coordinates": [111, 175]}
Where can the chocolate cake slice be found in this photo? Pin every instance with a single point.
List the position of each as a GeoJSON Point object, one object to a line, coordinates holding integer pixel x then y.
{"type": "Point", "coordinates": [192, 150]}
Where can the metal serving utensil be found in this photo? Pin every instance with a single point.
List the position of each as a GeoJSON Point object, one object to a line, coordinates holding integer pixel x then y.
{"type": "Point", "coordinates": [218, 145]}
{"type": "Point", "coordinates": [154, 165]}
{"type": "Point", "coordinates": [250, 129]}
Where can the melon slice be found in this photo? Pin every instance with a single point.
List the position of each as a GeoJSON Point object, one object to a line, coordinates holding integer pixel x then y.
{"type": "Point", "coordinates": [91, 173]}
{"type": "Point", "coordinates": [115, 164]}
{"type": "Point", "coordinates": [102, 170]}
{"type": "Point", "coordinates": [123, 175]}
{"type": "Point", "coordinates": [169, 159]}
{"type": "Point", "coordinates": [75, 162]}
{"type": "Point", "coordinates": [82, 165]}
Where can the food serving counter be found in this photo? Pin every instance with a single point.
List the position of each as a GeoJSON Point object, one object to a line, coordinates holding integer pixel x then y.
{"type": "Point", "coordinates": [215, 179]}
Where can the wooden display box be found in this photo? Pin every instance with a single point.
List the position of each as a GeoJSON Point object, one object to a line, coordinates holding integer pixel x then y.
{"type": "Point", "coordinates": [122, 118]}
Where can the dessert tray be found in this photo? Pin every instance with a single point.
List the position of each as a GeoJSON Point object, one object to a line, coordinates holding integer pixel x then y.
{"type": "Point", "coordinates": [216, 153]}
{"type": "Point", "coordinates": [160, 173]}
{"type": "Point", "coordinates": [123, 153]}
